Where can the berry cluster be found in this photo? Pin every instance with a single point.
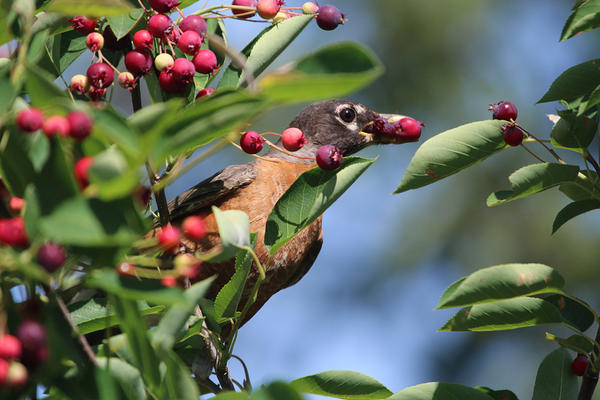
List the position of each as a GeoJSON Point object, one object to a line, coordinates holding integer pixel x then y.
{"type": "Point", "coordinates": [77, 124]}
{"type": "Point", "coordinates": [403, 130]}
{"type": "Point", "coordinates": [507, 111]}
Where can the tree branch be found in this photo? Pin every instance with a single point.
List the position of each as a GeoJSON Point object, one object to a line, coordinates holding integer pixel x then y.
{"type": "Point", "coordinates": [590, 378]}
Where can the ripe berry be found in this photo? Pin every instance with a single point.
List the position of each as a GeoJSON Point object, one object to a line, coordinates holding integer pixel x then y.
{"type": "Point", "coordinates": [513, 136]}
{"type": "Point", "coordinates": [127, 81]}
{"type": "Point", "coordinates": [143, 40]}
{"type": "Point", "coordinates": [51, 256]}
{"type": "Point", "coordinates": [163, 6]}
{"type": "Point", "coordinates": [205, 92]}
{"type": "Point", "coordinates": [4, 365]}
{"type": "Point", "coordinates": [169, 83]}
{"type": "Point", "coordinates": [31, 334]}
{"type": "Point", "coordinates": [12, 232]}
{"type": "Point", "coordinates": [381, 126]}
{"type": "Point", "coordinates": [16, 205]}
{"type": "Point", "coordinates": [100, 75]}
{"type": "Point", "coordinates": [82, 25]}
{"type": "Point", "coordinates": [504, 110]}
{"type": "Point", "coordinates": [160, 25]}
{"type": "Point", "coordinates": [268, 9]}
{"type": "Point", "coordinates": [244, 13]}
{"type": "Point", "coordinates": [168, 237]}
{"type": "Point", "coordinates": [143, 195]}
{"type": "Point", "coordinates": [96, 94]}
{"type": "Point", "coordinates": [126, 269]}
{"type": "Point", "coordinates": [168, 281]}
{"type": "Point", "coordinates": [10, 347]}
{"type": "Point", "coordinates": [138, 62]}
{"type": "Point", "coordinates": [174, 36]}
{"type": "Point", "coordinates": [310, 8]}
{"type": "Point", "coordinates": [205, 62]}
{"type": "Point", "coordinates": [579, 364]}
{"type": "Point", "coordinates": [194, 227]}
{"type": "Point", "coordinates": [79, 84]}
{"type": "Point", "coordinates": [32, 358]}
{"type": "Point", "coordinates": [81, 169]}
{"type": "Point", "coordinates": [252, 142]}
{"type": "Point", "coordinates": [80, 124]}
{"type": "Point", "coordinates": [190, 42]}
{"type": "Point", "coordinates": [183, 70]}
{"type": "Point", "coordinates": [329, 157]}
{"type": "Point", "coordinates": [163, 61]}
{"type": "Point", "coordinates": [188, 266]}
{"type": "Point", "coordinates": [193, 23]}
{"type": "Point", "coordinates": [30, 119]}
{"type": "Point", "coordinates": [329, 17]}
{"type": "Point", "coordinates": [409, 129]}
{"type": "Point", "coordinates": [56, 125]}
{"type": "Point", "coordinates": [16, 377]}
{"type": "Point", "coordinates": [94, 41]}
{"type": "Point", "coordinates": [293, 139]}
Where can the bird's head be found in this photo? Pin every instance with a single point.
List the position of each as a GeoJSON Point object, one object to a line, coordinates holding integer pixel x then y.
{"type": "Point", "coordinates": [344, 124]}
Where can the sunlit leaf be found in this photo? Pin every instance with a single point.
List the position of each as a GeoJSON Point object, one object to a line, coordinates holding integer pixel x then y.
{"type": "Point", "coordinates": [90, 8]}
{"type": "Point", "coordinates": [584, 18]}
{"type": "Point", "coordinates": [439, 391]}
{"type": "Point", "coordinates": [576, 81]}
{"type": "Point", "coordinates": [342, 385]}
{"type": "Point", "coordinates": [122, 24]}
{"type": "Point", "coordinates": [577, 343]}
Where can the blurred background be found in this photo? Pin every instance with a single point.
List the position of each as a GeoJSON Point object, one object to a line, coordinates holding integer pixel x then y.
{"type": "Point", "coordinates": [368, 302]}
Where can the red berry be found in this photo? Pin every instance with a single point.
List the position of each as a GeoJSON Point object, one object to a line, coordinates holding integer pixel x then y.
{"type": "Point", "coordinates": [96, 94]}
{"type": "Point", "coordinates": [194, 227]}
{"type": "Point", "coordinates": [51, 256]}
{"type": "Point", "coordinates": [31, 334]}
{"type": "Point", "coordinates": [193, 23]}
{"type": "Point", "coordinates": [81, 171]}
{"type": "Point", "coordinates": [190, 42]}
{"type": "Point", "coordinates": [329, 157]}
{"type": "Point", "coordinates": [513, 136]}
{"type": "Point", "coordinates": [310, 8]}
{"type": "Point", "coordinates": [79, 84]}
{"type": "Point", "coordinates": [188, 266]}
{"type": "Point", "coordinates": [16, 205]}
{"type": "Point", "coordinates": [268, 9]}
{"type": "Point", "coordinates": [205, 62]}
{"type": "Point", "coordinates": [160, 25]}
{"type": "Point", "coordinates": [381, 126]}
{"type": "Point", "coordinates": [10, 347]}
{"type": "Point", "coordinates": [94, 41]}
{"type": "Point", "coordinates": [163, 61]}
{"type": "Point", "coordinates": [32, 358]}
{"type": "Point", "coordinates": [174, 36]}
{"type": "Point", "coordinates": [82, 25]}
{"type": "Point", "coordinates": [205, 92]}
{"type": "Point", "coordinates": [244, 13]}
{"type": "Point", "coordinates": [143, 195]}
{"type": "Point", "coordinates": [127, 81]}
{"type": "Point", "coordinates": [4, 365]}
{"type": "Point", "coordinates": [169, 281]}
{"type": "Point", "coordinates": [504, 110]}
{"type": "Point", "coordinates": [293, 139]}
{"type": "Point", "coordinates": [56, 125]}
{"type": "Point", "coordinates": [30, 119]}
{"type": "Point", "coordinates": [329, 17]}
{"type": "Point", "coordinates": [126, 269]}
{"type": "Point", "coordinates": [163, 6]}
{"type": "Point", "coordinates": [138, 62]}
{"type": "Point", "coordinates": [579, 364]}
{"type": "Point", "coordinates": [168, 237]}
{"type": "Point", "coordinates": [17, 375]}
{"type": "Point", "coordinates": [80, 124]}
{"type": "Point", "coordinates": [252, 142]}
{"type": "Point", "coordinates": [12, 232]}
{"type": "Point", "coordinates": [408, 129]}
{"type": "Point", "coordinates": [100, 75]}
{"type": "Point", "coordinates": [143, 40]}
{"type": "Point", "coordinates": [169, 83]}
{"type": "Point", "coordinates": [183, 70]}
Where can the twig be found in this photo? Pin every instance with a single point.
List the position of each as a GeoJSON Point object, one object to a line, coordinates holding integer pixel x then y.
{"type": "Point", "coordinates": [590, 378]}
{"type": "Point", "coordinates": [532, 153]}
{"type": "Point", "coordinates": [560, 160]}
{"type": "Point", "coordinates": [590, 158]}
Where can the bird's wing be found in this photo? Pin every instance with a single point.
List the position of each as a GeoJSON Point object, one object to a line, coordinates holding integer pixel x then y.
{"type": "Point", "coordinates": [209, 191]}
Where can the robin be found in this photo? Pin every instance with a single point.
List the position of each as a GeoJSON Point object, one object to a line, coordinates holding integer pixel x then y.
{"type": "Point", "coordinates": [256, 186]}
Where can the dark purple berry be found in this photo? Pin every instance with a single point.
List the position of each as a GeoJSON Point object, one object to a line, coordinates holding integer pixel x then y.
{"type": "Point", "coordinates": [51, 256]}
{"type": "Point", "coordinates": [80, 125]}
{"type": "Point", "coordinates": [329, 17]}
{"type": "Point", "coordinates": [100, 75]}
{"type": "Point", "coordinates": [513, 136]}
{"type": "Point", "coordinates": [193, 23]}
{"type": "Point", "coordinates": [190, 42]}
{"type": "Point", "coordinates": [329, 157]}
{"type": "Point", "coordinates": [30, 119]}
{"type": "Point", "coordinates": [31, 334]}
{"type": "Point", "coordinates": [138, 62]}
{"type": "Point", "coordinates": [504, 110]}
{"type": "Point", "coordinates": [183, 70]}
{"type": "Point", "coordinates": [160, 25]}
{"type": "Point", "coordinates": [251, 142]}
{"type": "Point", "coordinates": [169, 83]}
{"type": "Point", "coordinates": [163, 6]}
{"type": "Point", "coordinates": [580, 364]}
{"type": "Point", "coordinates": [205, 62]}
{"type": "Point", "coordinates": [244, 13]}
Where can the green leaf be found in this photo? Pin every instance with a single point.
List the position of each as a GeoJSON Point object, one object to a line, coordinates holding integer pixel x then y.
{"type": "Point", "coordinates": [335, 70]}
{"type": "Point", "coordinates": [573, 210]}
{"type": "Point", "coordinates": [440, 391]}
{"type": "Point", "coordinates": [178, 382]}
{"type": "Point", "coordinates": [37, 47]}
{"type": "Point", "coordinates": [232, 396]}
{"type": "Point", "coordinates": [122, 24]}
{"type": "Point", "coordinates": [112, 128]}
{"type": "Point", "coordinates": [228, 298]}
{"type": "Point", "coordinates": [16, 167]}
{"type": "Point", "coordinates": [234, 230]}
{"type": "Point", "coordinates": [128, 376]}
{"type": "Point", "coordinates": [67, 48]}
{"type": "Point", "coordinates": [308, 197]}
{"type": "Point", "coordinates": [501, 282]}
{"type": "Point", "coordinates": [534, 179]}
{"type": "Point", "coordinates": [107, 385]}
{"type": "Point", "coordinates": [342, 385]}
{"type": "Point", "coordinates": [452, 151]}
{"type": "Point", "coordinates": [577, 343]}
{"type": "Point", "coordinates": [573, 312]}
{"type": "Point", "coordinates": [277, 391]}
{"type": "Point", "coordinates": [90, 8]}
{"type": "Point", "coordinates": [8, 94]}
{"type": "Point", "coordinates": [265, 48]}
{"type": "Point", "coordinates": [42, 90]}
{"type": "Point", "coordinates": [576, 81]}
{"type": "Point", "coordinates": [498, 394]}
{"type": "Point", "coordinates": [585, 187]}
{"type": "Point", "coordinates": [584, 18]}
{"type": "Point", "coordinates": [514, 313]}
{"type": "Point", "coordinates": [573, 132]}
{"type": "Point", "coordinates": [554, 380]}
{"type": "Point", "coordinates": [112, 176]}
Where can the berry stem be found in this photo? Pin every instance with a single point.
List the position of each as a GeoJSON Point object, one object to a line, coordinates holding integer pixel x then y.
{"type": "Point", "coordinates": [560, 160]}
{"type": "Point", "coordinates": [590, 158]}
{"type": "Point", "coordinates": [287, 152]}
{"type": "Point", "coordinates": [532, 153]}
{"type": "Point", "coordinates": [142, 5]}
{"type": "Point", "coordinates": [103, 59]}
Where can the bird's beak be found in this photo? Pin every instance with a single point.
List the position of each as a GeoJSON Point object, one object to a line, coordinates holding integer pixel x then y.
{"type": "Point", "coordinates": [387, 129]}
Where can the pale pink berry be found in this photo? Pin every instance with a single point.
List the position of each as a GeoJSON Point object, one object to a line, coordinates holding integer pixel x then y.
{"type": "Point", "coordinates": [293, 139]}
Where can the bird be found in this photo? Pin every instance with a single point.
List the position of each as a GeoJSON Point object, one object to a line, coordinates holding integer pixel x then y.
{"type": "Point", "coordinates": [256, 186]}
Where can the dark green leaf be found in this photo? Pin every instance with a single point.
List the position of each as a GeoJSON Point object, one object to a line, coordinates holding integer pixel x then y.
{"type": "Point", "coordinates": [577, 343]}
{"type": "Point", "coordinates": [114, 129]}
{"type": "Point", "coordinates": [498, 394]}
{"type": "Point", "coordinates": [122, 24]}
{"type": "Point", "coordinates": [308, 197]}
{"type": "Point", "coordinates": [39, 150]}
{"type": "Point", "coordinates": [8, 94]}
{"type": "Point", "coordinates": [585, 187]}
{"type": "Point", "coordinates": [343, 385]}
{"type": "Point", "coordinates": [440, 391]}
{"type": "Point", "coordinates": [590, 101]}
{"type": "Point", "coordinates": [67, 48]}
{"type": "Point", "coordinates": [534, 179]}
{"type": "Point", "coordinates": [514, 313]}
{"type": "Point", "coordinates": [573, 132]}
{"type": "Point", "coordinates": [90, 8]}
{"type": "Point", "coordinates": [127, 375]}
{"type": "Point", "coordinates": [178, 383]}
{"type": "Point", "coordinates": [573, 210]}
{"type": "Point", "coordinates": [156, 93]}
{"type": "Point", "coordinates": [15, 166]}
{"type": "Point", "coordinates": [232, 396]}
{"type": "Point", "coordinates": [112, 176]}
{"type": "Point", "coordinates": [333, 71]}
{"type": "Point", "coordinates": [42, 90]}
{"type": "Point", "coordinates": [278, 391]}
{"type": "Point", "coordinates": [108, 388]}
{"type": "Point", "coordinates": [452, 151]}
{"type": "Point", "coordinates": [32, 211]}
{"type": "Point", "coordinates": [234, 230]}
{"type": "Point", "coordinates": [584, 18]}
{"type": "Point", "coordinates": [501, 282]}
{"type": "Point", "coordinates": [577, 81]}
{"type": "Point", "coordinates": [554, 380]}
{"type": "Point", "coordinates": [573, 312]}
{"type": "Point", "coordinates": [37, 47]}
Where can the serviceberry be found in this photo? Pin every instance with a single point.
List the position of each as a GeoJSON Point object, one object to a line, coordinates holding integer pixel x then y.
{"type": "Point", "coordinates": [16, 204]}
{"type": "Point", "coordinates": [183, 70]}
{"type": "Point", "coordinates": [310, 8]}
{"type": "Point", "coordinates": [244, 13]}
{"type": "Point", "coordinates": [163, 61]}
{"type": "Point", "coordinates": [81, 171]}
{"type": "Point", "coordinates": [30, 119]}
{"type": "Point", "coordinates": [205, 62]}
{"type": "Point", "coordinates": [513, 136]}
{"type": "Point", "coordinates": [188, 266]}
{"type": "Point", "coordinates": [205, 92]}
{"type": "Point", "coordinates": [329, 157]}
{"type": "Point", "coordinates": [100, 75]}
{"type": "Point", "coordinates": [409, 129]}
{"type": "Point", "coordinates": [329, 17]}
{"type": "Point", "coordinates": [80, 124]}
{"type": "Point", "coordinates": [143, 195]}
{"type": "Point", "coordinates": [169, 83]}
{"type": "Point", "coordinates": [194, 23]}
{"type": "Point", "coordinates": [4, 366]}
{"type": "Point", "coordinates": [168, 281]}
{"type": "Point", "coordinates": [160, 25]}
{"type": "Point", "coordinates": [12, 232]}
{"type": "Point", "coordinates": [580, 364]}
{"type": "Point", "coordinates": [268, 9]}
{"type": "Point", "coordinates": [10, 347]}
{"type": "Point", "coordinates": [83, 25]}
{"type": "Point", "coordinates": [138, 62]}
{"type": "Point", "coordinates": [127, 80]}
{"type": "Point", "coordinates": [94, 41]}
{"type": "Point", "coordinates": [194, 227]}
{"type": "Point", "coordinates": [504, 110]}
{"type": "Point", "coordinates": [190, 42]}
{"type": "Point", "coordinates": [126, 269]}
{"type": "Point", "coordinates": [51, 256]}
{"type": "Point", "coordinates": [95, 93]}
{"type": "Point", "coordinates": [31, 334]}
{"type": "Point", "coordinates": [293, 139]}
{"type": "Point", "coordinates": [169, 237]}
{"type": "Point", "coordinates": [251, 142]}
{"type": "Point", "coordinates": [143, 40]}
{"type": "Point", "coordinates": [79, 84]}
{"type": "Point", "coordinates": [17, 375]}
{"type": "Point", "coordinates": [56, 125]}
{"type": "Point", "coordinates": [163, 6]}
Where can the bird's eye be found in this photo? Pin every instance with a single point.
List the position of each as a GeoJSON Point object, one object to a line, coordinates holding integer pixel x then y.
{"type": "Point", "coordinates": [347, 114]}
